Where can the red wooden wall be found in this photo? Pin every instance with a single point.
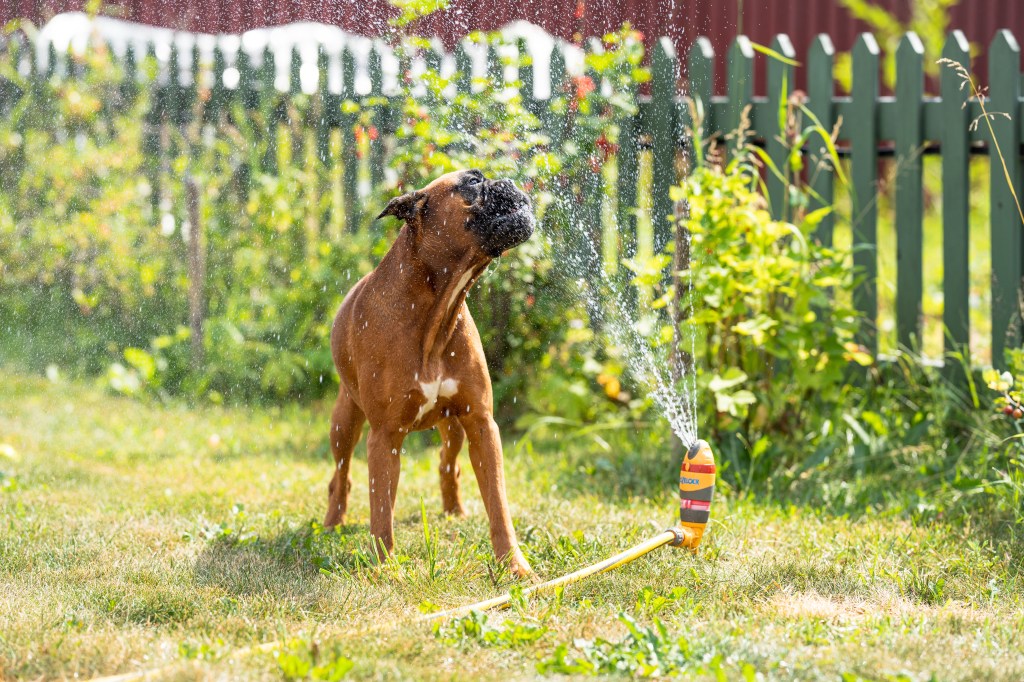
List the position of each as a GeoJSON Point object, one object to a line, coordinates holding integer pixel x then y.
{"type": "Point", "coordinates": [720, 20]}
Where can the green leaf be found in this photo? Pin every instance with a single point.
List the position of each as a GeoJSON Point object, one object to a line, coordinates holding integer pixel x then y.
{"type": "Point", "coordinates": [765, 50]}
{"type": "Point", "coordinates": [734, 376]}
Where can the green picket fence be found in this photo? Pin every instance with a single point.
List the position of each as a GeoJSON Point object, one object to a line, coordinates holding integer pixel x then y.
{"type": "Point", "coordinates": [903, 126]}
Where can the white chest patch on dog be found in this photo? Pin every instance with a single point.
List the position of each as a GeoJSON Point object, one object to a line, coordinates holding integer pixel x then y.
{"type": "Point", "coordinates": [432, 390]}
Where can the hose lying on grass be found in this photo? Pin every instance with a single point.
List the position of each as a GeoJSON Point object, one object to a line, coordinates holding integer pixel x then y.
{"type": "Point", "coordinates": [696, 488]}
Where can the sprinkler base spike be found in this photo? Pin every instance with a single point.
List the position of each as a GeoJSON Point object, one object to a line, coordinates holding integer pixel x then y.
{"type": "Point", "coordinates": [696, 488]}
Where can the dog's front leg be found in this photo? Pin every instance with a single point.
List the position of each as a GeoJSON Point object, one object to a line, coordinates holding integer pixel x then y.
{"type": "Point", "coordinates": [384, 463]}
{"type": "Point", "coordinates": [488, 464]}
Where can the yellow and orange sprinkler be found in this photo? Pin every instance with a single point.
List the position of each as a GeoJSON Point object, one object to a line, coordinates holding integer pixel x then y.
{"type": "Point", "coordinates": [696, 488]}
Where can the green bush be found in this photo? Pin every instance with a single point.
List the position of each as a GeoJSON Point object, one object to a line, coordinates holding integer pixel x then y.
{"type": "Point", "coordinates": [773, 342]}
{"type": "Point", "coordinates": [86, 269]}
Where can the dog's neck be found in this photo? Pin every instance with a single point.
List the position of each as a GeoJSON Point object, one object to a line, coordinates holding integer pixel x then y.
{"type": "Point", "coordinates": [448, 282]}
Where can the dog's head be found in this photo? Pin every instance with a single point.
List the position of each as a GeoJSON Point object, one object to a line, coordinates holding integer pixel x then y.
{"type": "Point", "coordinates": [463, 211]}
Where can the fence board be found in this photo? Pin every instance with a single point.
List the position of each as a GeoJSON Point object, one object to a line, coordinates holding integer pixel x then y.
{"type": "Point", "coordinates": [323, 121]}
{"type": "Point", "coordinates": [780, 84]}
{"type": "Point", "coordinates": [909, 191]}
{"type": "Point", "coordinates": [627, 174]}
{"type": "Point", "coordinates": [130, 84]}
{"type": "Point", "coordinates": [862, 131]}
{"type": "Point", "coordinates": [741, 84]}
{"type": "Point", "coordinates": [664, 140]}
{"type": "Point", "coordinates": [295, 73]}
{"type": "Point", "coordinates": [246, 89]}
{"type": "Point", "coordinates": [1007, 239]}
{"type": "Point", "coordinates": [820, 89]}
{"type": "Point", "coordinates": [554, 124]}
{"type": "Point", "coordinates": [350, 164]}
{"type": "Point", "coordinates": [701, 72]}
{"type": "Point", "coordinates": [376, 90]}
{"type": "Point", "coordinates": [268, 105]}
{"type": "Point", "coordinates": [955, 206]}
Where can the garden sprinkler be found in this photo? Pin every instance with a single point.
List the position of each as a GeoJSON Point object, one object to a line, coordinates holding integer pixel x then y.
{"type": "Point", "coordinates": [696, 488]}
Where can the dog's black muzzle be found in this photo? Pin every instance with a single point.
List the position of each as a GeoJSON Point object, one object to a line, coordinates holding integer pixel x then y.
{"type": "Point", "coordinates": [503, 217]}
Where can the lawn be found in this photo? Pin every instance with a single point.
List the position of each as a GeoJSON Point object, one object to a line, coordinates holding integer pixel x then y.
{"type": "Point", "coordinates": [136, 535]}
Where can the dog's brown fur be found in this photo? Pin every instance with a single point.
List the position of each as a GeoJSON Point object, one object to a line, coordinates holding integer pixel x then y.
{"type": "Point", "coordinates": [410, 358]}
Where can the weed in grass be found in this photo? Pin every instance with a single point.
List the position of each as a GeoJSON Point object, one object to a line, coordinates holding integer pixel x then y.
{"type": "Point", "coordinates": [644, 652]}
{"type": "Point", "coordinates": [202, 651]}
{"type": "Point", "coordinates": [474, 628]}
{"type": "Point", "coordinates": [304, 660]}
{"type": "Point", "coordinates": [234, 531]}
{"type": "Point", "coordinates": [650, 603]}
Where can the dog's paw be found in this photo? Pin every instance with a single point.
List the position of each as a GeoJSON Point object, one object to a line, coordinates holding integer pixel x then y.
{"type": "Point", "coordinates": [334, 518]}
{"type": "Point", "coordinates": [519, 566]}
{"type": "Point", "coordinates": [456, 511]}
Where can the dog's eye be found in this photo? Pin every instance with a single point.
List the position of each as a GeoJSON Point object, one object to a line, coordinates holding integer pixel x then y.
{"type": "Point", "coordinates": [474, 180]}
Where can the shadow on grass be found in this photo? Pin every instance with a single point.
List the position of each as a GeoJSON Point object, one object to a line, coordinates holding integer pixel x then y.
{"type": "Point", "coordinates": [285, 565]}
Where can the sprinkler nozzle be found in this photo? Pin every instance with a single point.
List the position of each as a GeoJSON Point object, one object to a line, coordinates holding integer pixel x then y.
{"type": "Point", "coordinates": [696, 488]}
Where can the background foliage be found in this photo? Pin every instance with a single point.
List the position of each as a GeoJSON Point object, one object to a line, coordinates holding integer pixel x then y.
{"type": "Point", "coordinates": [94, 281]}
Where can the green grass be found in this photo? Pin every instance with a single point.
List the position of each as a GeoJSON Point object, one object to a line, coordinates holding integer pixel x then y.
{"type": "Point", "coordinates": [136, 535]}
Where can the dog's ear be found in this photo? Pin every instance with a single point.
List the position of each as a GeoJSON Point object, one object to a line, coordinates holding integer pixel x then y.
{"type": "Point", "coordinates": [405, 207]}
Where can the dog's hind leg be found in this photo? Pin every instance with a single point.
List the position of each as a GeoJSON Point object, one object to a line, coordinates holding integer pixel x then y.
{"type": "Point", "coordinates": [452, 437]}
{"type": "Point", "coordinates": [346, 429]}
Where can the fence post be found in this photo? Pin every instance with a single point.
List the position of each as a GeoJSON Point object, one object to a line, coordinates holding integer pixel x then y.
{"type": "Point", "coordinates": [740, 84]}
{"type": "Point", "coordinates": [323, 129]}
{"type": "Point", "coordinates": [151, 136]}
{"type": "Point", "coordinates": [218, 94]}
{"type": "Point", "coordinates": [51, 61]}
{"type": "Point", "coordinates": [664, 72]}
{"type": "Point", "coordinates": [909, 190]}
{"type": "Point", "coordinates": [174, 88]}
{"type": "Point", "coordinates": [556, 79]}
{"type": "Point", "coordinates": [243, 90]}
{"type": "Point", "coordinates": [350, 167]}
{"type": "Point", "coordinates": [295, 72]}
{"type": "Point", "coordinates": [1007, 241]}
{"type": "Point", "coordinates": [819, 102]}
{"type": "Point", "coordinates": [525, 61]}
{"type": "Point", "coordinates": [701, 72]}
{"type": "Point", "coordinates": [780, 84]}
{"type": "Point", "coordinates": [196, 271]}
{"type": "Point", "coordinates": [863, 127]}
{"type": "Point", "coordinates": [377, 90]}
{"type": "Point", "coordinates": [626, 171]}
{"type": "Point", "coordinates": [130, 84]}
{"type": "Point", "coordinates": [955, 139]}
{"type": "Point", "coordinates": [268, 104]}
{"type": "Point", "coordinates": [192, 94]}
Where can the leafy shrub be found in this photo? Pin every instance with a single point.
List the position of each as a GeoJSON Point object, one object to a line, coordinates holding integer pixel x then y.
{"type": "Point", "coordinates": [1008, 432]}
{"type": "Point", "coordinates": [86, 269]}
{"type": "Point", "coordinates": [95, 270]}
{"type": "Point", "coordinates": [773, 341]}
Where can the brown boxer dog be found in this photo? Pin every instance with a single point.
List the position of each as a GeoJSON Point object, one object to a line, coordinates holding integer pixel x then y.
{"type": "Point", "coordinates": [410, 358]}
